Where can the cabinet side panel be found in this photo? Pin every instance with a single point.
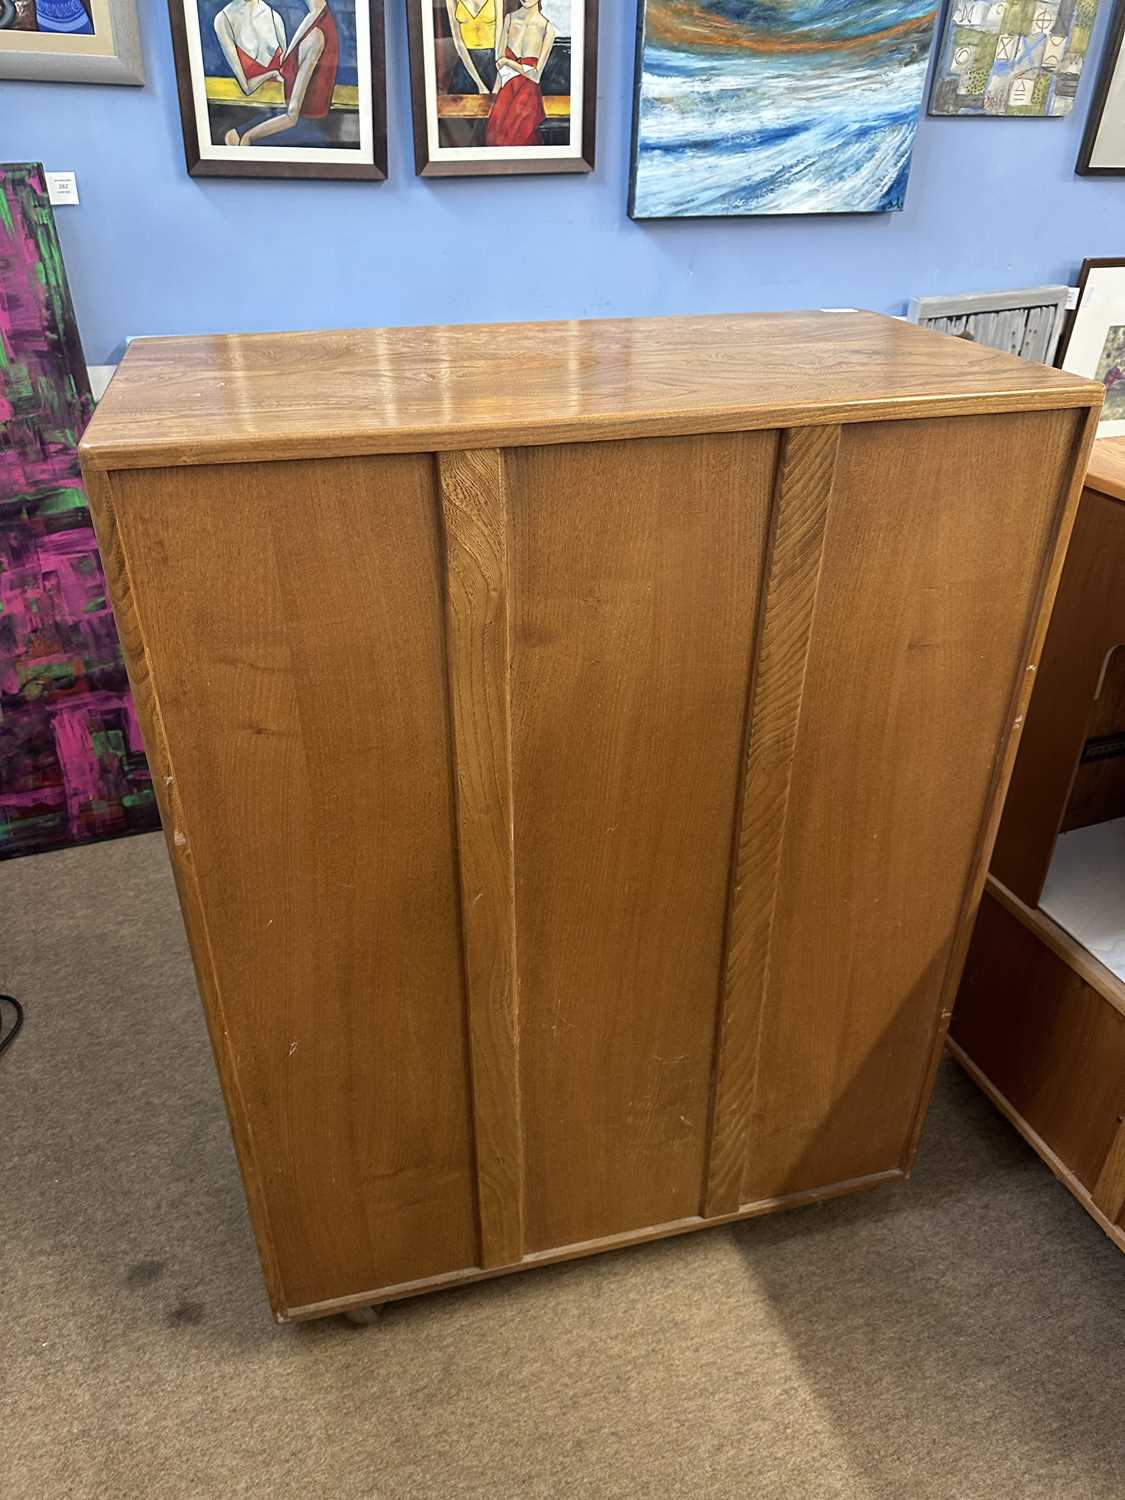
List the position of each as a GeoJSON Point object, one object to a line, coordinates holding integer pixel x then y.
{"type": "Point", "coordinates": [292, 616]}
{"type": "Point", "coordinates": [934, 562]}
{"type": "Point", "coordinates": [635, 575]}
{"type": "Point", "coordinates": [1044, 1038]}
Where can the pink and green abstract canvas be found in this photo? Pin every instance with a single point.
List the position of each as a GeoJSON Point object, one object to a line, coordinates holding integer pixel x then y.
{"type": "Point", "coordinates": [72, 765]}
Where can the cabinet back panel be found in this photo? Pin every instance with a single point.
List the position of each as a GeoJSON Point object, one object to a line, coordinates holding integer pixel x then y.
{"type": "Point", "coordinates": [293, 621]}
{"type": "Point", "coordinates": [634, 575]}
{"type": "Point", "coordinates": [931, 576]}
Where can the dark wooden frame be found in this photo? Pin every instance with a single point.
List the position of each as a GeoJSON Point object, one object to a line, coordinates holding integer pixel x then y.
{"type": "Point", "coordinates": [1100, 263]}
{"type": "Point", "coordinates": [424, 167]}
{"type": "Point", "coordinates": [1111, 55]}
{"type": "Point", "coordinates": [362, 171]}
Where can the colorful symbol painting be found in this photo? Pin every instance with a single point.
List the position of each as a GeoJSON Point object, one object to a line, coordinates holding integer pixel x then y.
{"type": "Point", "coordinates": [756, 107]}
{"type": "Point", "coordinates": [503, 86]}
{"type": "Point", "coordinates": [72, 766]}
{"type": "Point", "coordinates": [1012, 57]}
{"type": "Point", "coordinates": [281, 88]}
{"type": "Point", "coordinates": [70, 41]}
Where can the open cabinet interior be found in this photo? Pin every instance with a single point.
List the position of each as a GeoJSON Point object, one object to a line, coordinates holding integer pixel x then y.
{"type": "Point", "coordinates": [1040, 1017]}
{"type": "Point", "coordinates": [1085, 887]}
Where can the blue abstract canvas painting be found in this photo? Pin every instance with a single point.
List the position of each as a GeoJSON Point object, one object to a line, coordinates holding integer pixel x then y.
{"type": "Point", "coordinates": [777, 106]}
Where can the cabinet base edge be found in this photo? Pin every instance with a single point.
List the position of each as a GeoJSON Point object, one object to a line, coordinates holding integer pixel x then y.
{"type": "Point", "coordinates": [1116, 1232]}
{"type": "Point", "coordinates": [470, 1274]}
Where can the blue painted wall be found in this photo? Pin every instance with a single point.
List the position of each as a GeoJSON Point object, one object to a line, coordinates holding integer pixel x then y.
{"type": "Point", "coordinates": [991, 203]}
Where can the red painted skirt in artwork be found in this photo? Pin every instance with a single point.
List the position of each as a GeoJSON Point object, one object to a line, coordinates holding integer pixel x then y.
{"type": "Point", "coordinates": [518, 112]}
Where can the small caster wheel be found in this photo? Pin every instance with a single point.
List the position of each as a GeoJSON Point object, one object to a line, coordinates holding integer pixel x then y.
{"type": "Point", "coordinates": [363, 1317]}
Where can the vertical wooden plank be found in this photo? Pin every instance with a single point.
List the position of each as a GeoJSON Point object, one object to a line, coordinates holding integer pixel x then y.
{"type": "Point", "coordinates": [475, 521]}
{"type": "Point", "coordinates": [925, 606]}
{"type": "Point", "coordinates": [636, 569]}
{"type": "Point", "coordinates": [314, 823]}
{"type": "Point", "coordinates": [103, 510]}
{"type": "Point", "coordinates": [800, 511]}
{"type": "Point", "coordinates": [1109, 1190]}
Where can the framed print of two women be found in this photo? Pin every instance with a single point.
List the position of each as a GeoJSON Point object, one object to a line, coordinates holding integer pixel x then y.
{"type": "Point", "coordinates": [296, 88]}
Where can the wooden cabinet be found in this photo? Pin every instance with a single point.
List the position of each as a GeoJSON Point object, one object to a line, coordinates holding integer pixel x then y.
{"type": "Point", "coordinates": [1040, 1020]}
{"type": "Point", "coordinates": [579, 747]}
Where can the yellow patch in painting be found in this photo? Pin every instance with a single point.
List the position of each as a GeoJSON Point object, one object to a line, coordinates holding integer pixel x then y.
{"type": "Point", "coordinates": [479, 106]}
{"type": "Point", "coordinates": [272, 95]}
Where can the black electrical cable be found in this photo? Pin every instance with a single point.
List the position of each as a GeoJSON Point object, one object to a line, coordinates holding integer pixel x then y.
{"type": "Point", "coordinates": [6, 1041]}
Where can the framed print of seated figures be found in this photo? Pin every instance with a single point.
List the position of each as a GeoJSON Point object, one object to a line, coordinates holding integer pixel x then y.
{"type": "Point", "coordinates": [503, 86]}
{"type": "Point", "coordinates": [281, 88]}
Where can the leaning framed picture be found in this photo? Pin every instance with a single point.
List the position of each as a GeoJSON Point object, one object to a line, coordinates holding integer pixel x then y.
{"type": "Point", "coordinates": [71, 41]}
{"type": "Point", "coordinates": [1102, 153]}
{"type": "Point", "coordinates": [1094, 342]}
{"type": "Point", "coordinates": [503, 86]}
{"type": "Point", "coordinates": [281, 88]}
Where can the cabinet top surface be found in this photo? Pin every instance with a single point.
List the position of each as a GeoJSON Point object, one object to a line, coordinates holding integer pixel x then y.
{"type": "Point", "coordinates": [1107, 467]}
{"type": "Point", "coordinates": [243, 397]}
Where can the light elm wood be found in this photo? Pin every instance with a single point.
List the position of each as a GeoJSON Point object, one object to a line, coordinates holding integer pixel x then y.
{"type": "Point", "coordinates": [793, 565]}
{"type": "Point", "coordinates": [317, 864]}
{"type": "Point", "coordinates": [637, 568]}
{"type": "Point", "coordinates": [1089, 624]}
{"type": "Point", "coordinates": [1040, 1023]}
{"type": "Point", "coordinates": [579, 804]}
{"type": "Point", "coordinates": [1109, 1190]}
{"type": "Point", "coordinates": [476, 525]}
{"type": "Point", "coordinates": [1114, 1232]}
{"type": "Point", "coordinates": [1045, 1035]}
{"type": "Point", "coordinates": [915, 670]}
{"type": "Point", "coordinates": [243, 397]}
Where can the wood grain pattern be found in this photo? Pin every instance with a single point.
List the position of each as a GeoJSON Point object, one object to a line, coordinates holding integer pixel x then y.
{"type": "Point", "coordinates": [241, 398]}
{"type": "Point", "coordinates": [1088, 623]}
{"type": "Point", "coordinates": [637, 569]}
{"type": "Point", "coordinates": [317, 812]}
{"type": "Point", "coordinates": [1039, 1145]}
{"type": "Point", "coordinates": [908, 714]}
{"type": "Point", "coordinates": [601, 1246]}
{"type": "Point", "coordinates": [1097, 793]}
{"type": "Point", "coordinates": [1073, 456]}
{"type": "Point", "coordinates": [103, 511]}
{"type": "Point", "coordinates": [475, 518]}
{"type": "Point", "coordinates": [1109, 1190]}
{"type": "Point", "coordinates": [1107, 468]}
{"type": "Point", "coordinates": [452, 751]}
{"type": "Point", "coordinates": [800, 514]}
{"type": "Point", "coordinates": [1043, 1032]}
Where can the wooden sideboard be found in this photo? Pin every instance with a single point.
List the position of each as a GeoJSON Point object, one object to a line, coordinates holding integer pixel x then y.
{"type": "Point", "coordinates": [579, 747]}
{"type": "Point", "coordinates": [1040, 1020]}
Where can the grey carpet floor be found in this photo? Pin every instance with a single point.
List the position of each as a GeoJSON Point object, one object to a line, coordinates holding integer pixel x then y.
{"type": "Point", "coordinates": [962, 1336]}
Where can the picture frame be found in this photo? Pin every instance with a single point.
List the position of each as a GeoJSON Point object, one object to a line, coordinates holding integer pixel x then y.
{"type": "Point", "coordinates": [476, 116]}
{"type": "Point", "coordinates": [997, 60]}
{"type": "Point", "coordinates": [1102, 152]}
{"type": "Point", "coordinates": [1027, 322]}
{"type": "Point", "coordinates": [732, 132]}
{"type": "Point", "coordinates": [306, 102]}
{"type": "Point", "coordinates": [1093, 342]}
{"type": "Point", "coordinates": [103, 48]}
